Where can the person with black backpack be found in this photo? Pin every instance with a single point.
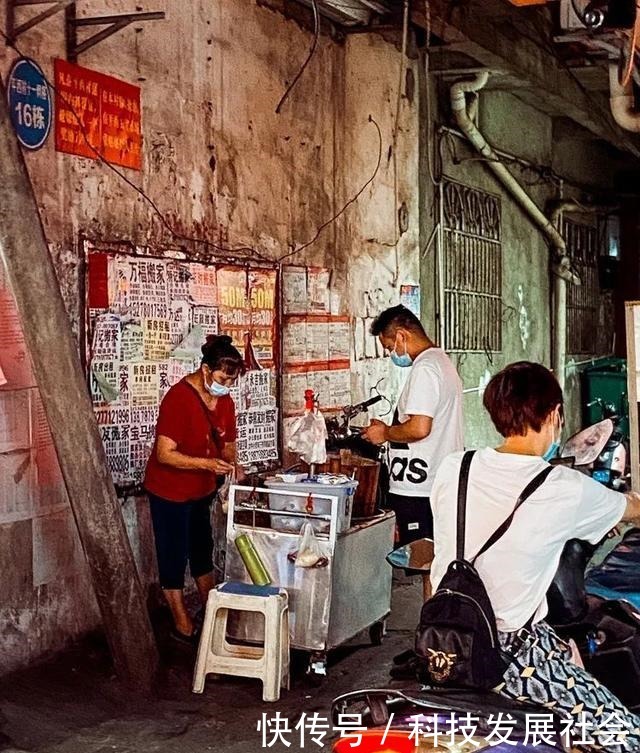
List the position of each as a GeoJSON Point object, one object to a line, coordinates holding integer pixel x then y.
{"type": "Point", "coordinates": [501, 519]}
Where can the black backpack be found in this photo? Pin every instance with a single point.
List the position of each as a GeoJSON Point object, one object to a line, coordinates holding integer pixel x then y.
{"type": "Point", "coordinates": [457, 638]}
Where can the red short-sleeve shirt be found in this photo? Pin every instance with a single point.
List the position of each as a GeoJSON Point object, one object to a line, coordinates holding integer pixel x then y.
{"type": "Point", "coordinates": [199, 433]}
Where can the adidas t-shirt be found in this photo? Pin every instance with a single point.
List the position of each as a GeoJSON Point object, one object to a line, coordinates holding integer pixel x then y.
{"type": "Point", "coordinates": [433, 388]}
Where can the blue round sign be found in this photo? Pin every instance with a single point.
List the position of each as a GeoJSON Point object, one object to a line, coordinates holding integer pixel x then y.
{"type": "Point", "coordinates": [30, 104]}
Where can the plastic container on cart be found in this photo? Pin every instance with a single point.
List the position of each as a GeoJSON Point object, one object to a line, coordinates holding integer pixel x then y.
{"type": "Point", "coordinates": [344, 492]}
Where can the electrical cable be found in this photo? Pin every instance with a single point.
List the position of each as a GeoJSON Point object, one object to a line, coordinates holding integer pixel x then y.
{"type": "Point", "coordinates": [427, 66]}
{"type": "Point", "coordinates": [351, 201]}
{"type": "Point", "coordinates": [220, 249]}
{"type": "Point", "coordinates": [632, 53]}
{"type": "Point", "coordinates": [314, 45]}
{"type": "Point", "coordinates": [376, 390]}
{"type": "Point", "coordinates": [394, 141]}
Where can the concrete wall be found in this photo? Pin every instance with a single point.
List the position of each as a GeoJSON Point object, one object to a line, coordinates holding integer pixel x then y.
{"type": "Point", "coordinates": [220, 164]}
{"type": "Point", "coordinates": [526, 293]}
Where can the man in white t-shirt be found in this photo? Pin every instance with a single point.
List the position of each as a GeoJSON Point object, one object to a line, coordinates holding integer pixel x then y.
{"type": "Point", "coordinates": [427, 424]}
{"type": "Point", "coordinates": [525, 403]}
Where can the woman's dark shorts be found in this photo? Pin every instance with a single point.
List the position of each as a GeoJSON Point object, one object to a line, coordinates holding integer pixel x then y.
{"type": "Point", "coordinates": [183, 534]}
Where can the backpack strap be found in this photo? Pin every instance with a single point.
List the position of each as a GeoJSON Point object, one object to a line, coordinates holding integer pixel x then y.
{"type": "Point", "coordinates": [531, 487]}
{"type": "Point", "coordinates": [463, 483]}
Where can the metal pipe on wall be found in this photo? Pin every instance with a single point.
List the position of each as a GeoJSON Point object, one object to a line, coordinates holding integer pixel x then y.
{"type": "Point", "coordinates": [561, 263]}
{"type": "Point", "coordinates": [622, 102]}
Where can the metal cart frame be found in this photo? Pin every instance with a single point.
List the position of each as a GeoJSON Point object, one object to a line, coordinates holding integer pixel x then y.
{"type": "Point", "coordinates": [328, 605]}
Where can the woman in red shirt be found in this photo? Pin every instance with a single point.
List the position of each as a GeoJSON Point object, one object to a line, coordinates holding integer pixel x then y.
{"type": "Point", "coordinates": [195, 442]}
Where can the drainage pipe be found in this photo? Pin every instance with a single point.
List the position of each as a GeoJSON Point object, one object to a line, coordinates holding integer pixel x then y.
{"type": "Point", "coordinates": [622, 102]}
{"type": "Point", "coordinates": [561, 265]}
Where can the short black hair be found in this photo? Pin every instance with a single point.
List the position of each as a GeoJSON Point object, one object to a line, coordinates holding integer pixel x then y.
{"type": "Point", "coordinates": [521, 397]}
{"type": "Point", "coordinates": [219, 354]}
{"type": "Point", "coordinates": [397, 317]}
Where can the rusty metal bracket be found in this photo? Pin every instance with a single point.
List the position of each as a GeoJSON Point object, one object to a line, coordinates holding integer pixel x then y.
{"type": "Point", "coordinates": [14, 30]}
{"type": "Point", "coordinates": [113, 24]}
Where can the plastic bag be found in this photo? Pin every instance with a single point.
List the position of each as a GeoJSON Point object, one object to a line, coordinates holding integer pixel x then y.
{"type": "Point", "coordinates": [309, 438]}
{"type": "Point", "coordinates": [223, 491]}
{"type": "Point", "coordinates": [309, 552]}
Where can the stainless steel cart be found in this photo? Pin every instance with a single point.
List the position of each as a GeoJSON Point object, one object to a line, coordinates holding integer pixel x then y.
{"type": "Point", "coordinates": [328, 605]}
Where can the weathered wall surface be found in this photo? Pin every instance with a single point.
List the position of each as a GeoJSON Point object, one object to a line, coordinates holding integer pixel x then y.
{"type": "Point", "coordinates": [220, 165]}
{"type": "Point", "coordinates": [526, 330]}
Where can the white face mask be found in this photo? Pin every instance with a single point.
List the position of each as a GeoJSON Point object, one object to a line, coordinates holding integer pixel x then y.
{"type": "Point", "coordinates": [215, 389]}
{"type": "Point", "coordinates": [553, 448]}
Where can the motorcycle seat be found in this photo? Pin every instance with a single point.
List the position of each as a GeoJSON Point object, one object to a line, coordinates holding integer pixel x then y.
{"type": "Point", "coordinates": [466, 700]}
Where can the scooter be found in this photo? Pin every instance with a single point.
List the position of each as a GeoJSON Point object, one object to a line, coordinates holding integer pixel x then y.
{"type": "Point", "coordinates": [599, 450]}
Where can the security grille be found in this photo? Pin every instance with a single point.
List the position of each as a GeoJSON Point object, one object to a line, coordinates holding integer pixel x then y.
{"type": "Point", "coordinates": [472, 257]}
{"type": "Point", "coordinates": [583, 301]}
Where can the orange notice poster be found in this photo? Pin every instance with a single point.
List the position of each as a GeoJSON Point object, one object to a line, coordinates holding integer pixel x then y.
{"type": "Point", "coordinates": [97, 113]}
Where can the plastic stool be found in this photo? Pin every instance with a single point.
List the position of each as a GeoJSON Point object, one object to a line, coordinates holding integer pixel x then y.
{"type": "Point", "coordinates": [217, 655]}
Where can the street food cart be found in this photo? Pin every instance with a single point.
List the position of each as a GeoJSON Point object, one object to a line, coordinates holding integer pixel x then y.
{"type": "Point", "coordinates": [346, 592]}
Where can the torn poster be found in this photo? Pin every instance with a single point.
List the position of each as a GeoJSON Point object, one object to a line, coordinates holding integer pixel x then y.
{"type": "Point", "coordinates": [203, 286]}
{"type": "Point", "coordinates": [104, 382]}
{"type": "Point", "coordinates": [107, 335]}
{"type": "Point", "coordinates": [410, 298]}
{"type": "Point", "coordinates": [207, 318]}
{"type": "Point", "coordinates": [340, 340]}
{"type": "Point", "coordinates": [131, 343]}
{"type": "Point", "coordinates": [144, 384]}
{"type": "Point", "coordinates": [14, 358]}
{"type": "Point", "coordinates": [318, 342]}
{"type": "Point", "coordinates": [142, 289]}
{"type": "Point", "coordinates": [340, 385]}
{"type": "Point", "coordinates": [178, 280]}
{"type": "Point", "coordinates": [257, 436]}
{"type": "Point", "coordinates": [294, 289]}
{"type": "Point", "coordinates": [14, 421]}
{"type": "Point", "coordinates": [262, 302]}
{"type": "Point", "coordinates": [190, 349]}
{"type": "Point", "coordinates": [180, 321]}
{"type": "Point", "coordinates": [157, 339]}
{"type": "Point", "coordinates": [294, 345]}
{"type": "Point", "coordinates": [318, 291]}
{"type": "Point", "coordinates": [294, 386]}
{"type": "Point", "coordinates": [143, 427]}
{"type": "Point", "coordinates": [115, 438]}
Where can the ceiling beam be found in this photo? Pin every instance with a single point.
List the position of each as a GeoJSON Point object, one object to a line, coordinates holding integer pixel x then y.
{"type": "Point", "coordinates": [506, 44]}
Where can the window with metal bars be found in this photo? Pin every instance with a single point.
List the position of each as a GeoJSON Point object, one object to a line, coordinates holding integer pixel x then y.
{"type": "Point", "coordinates": [584, 246]}
{"type": "Point", "coordinates": [472, 269]}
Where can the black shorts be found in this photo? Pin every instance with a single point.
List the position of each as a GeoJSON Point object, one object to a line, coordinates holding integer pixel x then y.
{"type": "Point", "coordinates": [414, 518]}
{"type": "Point", "coordinates": [182, 531]}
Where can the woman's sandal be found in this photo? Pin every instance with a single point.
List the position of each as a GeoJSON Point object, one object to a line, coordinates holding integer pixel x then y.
{"type": "Point", "coordinates": [189, 640]}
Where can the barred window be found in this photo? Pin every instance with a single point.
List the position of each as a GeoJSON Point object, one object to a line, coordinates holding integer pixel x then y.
{"type": "Point", "coordinates": [472, 257]}
{"type": "Point", "coordinates": [584, 246]}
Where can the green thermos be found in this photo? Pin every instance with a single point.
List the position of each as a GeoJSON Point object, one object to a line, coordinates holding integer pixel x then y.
{"type": "Point", "coordinates": [252, 561]}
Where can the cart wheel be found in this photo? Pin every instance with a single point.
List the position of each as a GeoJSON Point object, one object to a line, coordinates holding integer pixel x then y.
{"type": "Point", "coordinates": [377, 632]}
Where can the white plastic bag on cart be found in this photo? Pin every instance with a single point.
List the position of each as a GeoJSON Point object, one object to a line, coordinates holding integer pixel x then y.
{"type": "Point", "coordinates": [223, 491]}
{"type": "Point", "coordinates": [308, 438]}
{"type": "Point", "coordinates": [309, 552]}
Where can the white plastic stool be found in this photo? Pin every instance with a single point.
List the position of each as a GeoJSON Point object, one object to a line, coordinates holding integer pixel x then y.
{"type": "Point", "coordinates": [217, 655]}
